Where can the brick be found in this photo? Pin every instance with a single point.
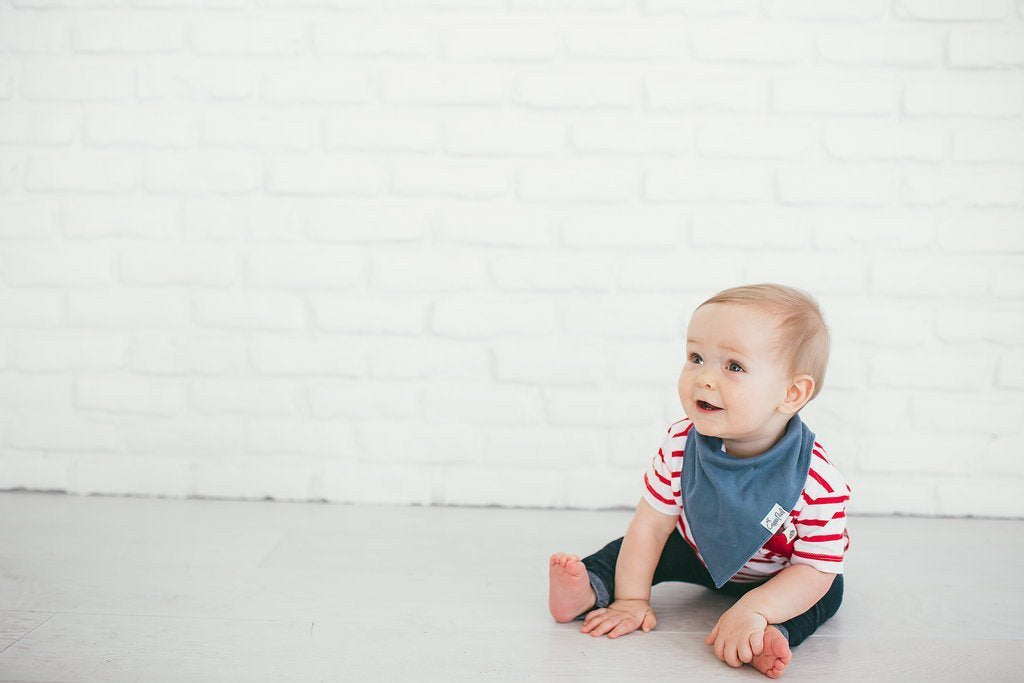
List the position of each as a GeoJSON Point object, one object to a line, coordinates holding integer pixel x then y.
{"type": "Point", "coordinates": [56, 128]}
{"type": "Point", "coordinates": [543, 447]}
{"type": "Point", "coordinates": [509, 135]}
{"type": "Point", "coordinates": [263, 129]}
{"type": "Point", "coordinates": [906, 48]}
{"type": "Point", "coordinates": [974, 233]}
{"type": "Point", "coordinates": [82, 172]}
{"type": "Point", "coordinates": [847, 367]}
{"type": "Point", "coordinates": [303, 356]}
{"type": "Point", "coordinates": [507, 40]}
{"type": "Point", "coordinates": [201, 438]}
{"type": "Point", "coordinates": [177, 265]}
{"type": "Point", "coordinates": [163, 353]}
{"type": "Point", "coordinates": [321, 267]}
{"type": "Point", "coordinates": [871, 142]}
{"type": "Point", "coordinates": [362, 400]}
{"type": "Point", "coordinates": [840, 187]}
{"type": "Point", "coordinates": [199, 172]}
{"type": "Point", "coordinates": [130, 34]}
{"type": "Point", "coordinates": [635, 40]}
{"type": "Point", "coordinates": [482, 404]}
{"type": "Point", "coordinates": [315, 82]}
{"type": "Point", "coordinates": [835, 96]}
{"type": "Point", "coordinates": [141, 127]}
{"type": "Point", "coordinates": [746, 230]}
{"type": "Point", "coordinates": [603, 488]}
{"type": "Point", "coordinates": [989, 144]}
{"type": "Point", "coordinates": [553, 272]}
{"type": "Point", "coordinates": [969, 325]}
{"type": "Point", "coordinates": [28, 33]}
{"type": "Point", "coordinates": [248, 36]}
{"type": "Point", "coordinates": [56, 351]}
{"type": "Point", "coordinates": [451, 84]}
{"type": "Point", "coordinates": [350, 482]}
{"type": "Point", "coordinates": [197, 80]}
{"type": "Point", "coordinates": [951, 10]}
{"type": "Point", "coordinates": [427, 358]}
{"type": "Point", "coordinates": [603, 228]}
{"type": "Point", "coordinates": [576, 88]}
{"type": "Point", "coordinates": [65, 80]}
{"type": "Point", "coordinates": [825, 273]}
{"type": "Point", "coordinates": [31, 308]}
{"type": "Point", "coordinates": [931, 370]}
{"type": "Point", "coordinates": [59, 264]}
{"type": "Point", "coordinates": [995, 188]}
{"type": "Point", "coordinates": [296, 435]}
{"type": "Point", "coordinates": [371, 38]}
{"type": "Point", "coordinates": [238, 396]}
{"type": "Point", "coordinates": [249, 310]}
{"type": "Point", "coordinates": [687, 270]}
{"type": "Point", "coordinates": [698, 7]}
{"type": "Point", "coordinates": [592, 181]}
{"type": "Point", "coordinates": [847, 10]}
{"type": "Point", "coordinates": [699, 92]}
{"type": "Point", "coordinates": [325, 175]}
{"type": "Point", "coordinates": [27, 219]}
{"type": "Point", "coordinates": [547, 364]}
{"type": "Point", "coordinates": [974, 413]}
{"type": "Point", "coordinates": [35, 471]}
{"type": "Point", "coordinates": [436, 444]}
{"type": "Point", "coordinates": [374, 131]}
{"type": "Point", "coordinates": [1008, 280]}
{"type": "Point", "coordinates": [29, 392]}
{"type": "Point", "coordinates": [136, 395]}
{"type": "Point", "coordinates": [915, 454]}
{"type": "Point", "coordinates": [505, 227]}
{"type": "Point", "coordinates": [696, 181]}
{"type": "Point", "coordinates": [880, 325]}
{"type": "Point", "coordinates": [485, 484]}
{"type": "Point", "coordinates": [62, 433]}
{"type": "Point", "coordinates": [1010, 373]}
{"type": "Point", "coordinates": [631, 318]}
{"type": "Point", "coordinates": [888, 412]}
{"type": "Point", "coordinates": [118, 474]}
{"type": "Point", "coordinates": [753, 43]}
{"type": "Point", "coordinates": [980, 498]}
{"type": "Point", "coordinates": [926, 275]}
{"type": "Point", "coordinates": [146, 217]}
{"type": "Point", "coordinates": [886, 495]}
{"type": "Point", "coordinates": [1003, 457]}
{"type": "Point", "coordinates": [656, 363]}
{"type": "Point", "coordinates": [750, 140]}
{"type": "Point", "coordinates": [364, 314]}
{"type": "Point", "coordinates": [589, 408]}
{"type": "Point", "coordinates": [963, 98]}
{"type": "Point", "coordinates": [279, 477]}
{"type": "Point", "coordinates": [898, 231]}
{"type": "Point", "coordinates": [986, 49]}
{"type": "Point", "coordinates": [477, 316]}
{"type": "Point", "coordinates": [631, 135]}
{"type": "Point", "coordinates": [424, 272]}
{"type": "Point", "coordinates": [462, 179]}
{"type": "Point", "coordinates": [371, 223]}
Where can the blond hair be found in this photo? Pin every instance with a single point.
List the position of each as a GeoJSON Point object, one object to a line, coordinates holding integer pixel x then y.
{"type": "Point", "coordinates": [803, 335]}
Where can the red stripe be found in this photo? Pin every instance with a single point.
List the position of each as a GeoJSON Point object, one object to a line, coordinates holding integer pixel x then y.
{"type": "Point", "coordinates": [821, 480]}
{"type": "Point", "coordinates": [685, 431]}
{"type": "Point", "coordinates": [814, 556]}
{"type": "Point", "coordinates": [824, 501]}
{"type": "Point", "coordinates": [663, 479]}
{"type": "Point", "coordinates": [822, 539]}
{"type": "Point", "coordinates": [677, 454]}
{"type": "Point", "coordinates": [656, 495]}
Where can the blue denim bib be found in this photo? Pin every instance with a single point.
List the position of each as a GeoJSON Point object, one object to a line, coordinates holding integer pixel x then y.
{"type": "Point", "coordinates": [734, 505]}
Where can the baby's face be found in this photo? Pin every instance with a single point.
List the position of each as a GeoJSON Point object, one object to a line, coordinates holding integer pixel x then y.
{"type": "Point", "coordinates": [732, 364]}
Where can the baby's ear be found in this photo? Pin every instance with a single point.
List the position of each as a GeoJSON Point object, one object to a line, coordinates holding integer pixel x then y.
{"type": "Point", "coordinates": [798, 394]}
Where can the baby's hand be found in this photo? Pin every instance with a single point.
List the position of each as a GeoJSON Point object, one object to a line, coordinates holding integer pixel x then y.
{"type": "Point", "coordinates": [620, 618]}
{"type": "Point", "coordinates": [738, 635]}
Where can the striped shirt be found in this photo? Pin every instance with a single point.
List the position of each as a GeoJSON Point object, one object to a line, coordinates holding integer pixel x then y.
{"type": "Point", "coordinates": [814, 533]}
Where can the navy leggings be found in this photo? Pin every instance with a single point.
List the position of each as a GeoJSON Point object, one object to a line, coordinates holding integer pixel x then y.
{"type": "Point", "coordinates": [680, 563]}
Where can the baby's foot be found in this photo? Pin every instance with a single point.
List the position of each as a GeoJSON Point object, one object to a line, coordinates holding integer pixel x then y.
{"type": "Point", "coordinates": [570, 593]}
{"type": "Point", "coordinates": [776, 654]}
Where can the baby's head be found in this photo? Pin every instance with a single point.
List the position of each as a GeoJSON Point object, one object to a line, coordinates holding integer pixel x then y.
{"type": "Point", "coordinates": [755, 355]}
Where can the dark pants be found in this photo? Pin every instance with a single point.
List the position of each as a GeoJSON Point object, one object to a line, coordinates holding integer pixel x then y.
{"type": "Point", "coordinates": [680, 563]}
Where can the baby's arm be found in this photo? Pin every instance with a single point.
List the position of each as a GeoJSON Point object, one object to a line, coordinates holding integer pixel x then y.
{"type": "Point", "coordinates": [634, 572]}
{"type": "Point", "coordinates": [739, 633]}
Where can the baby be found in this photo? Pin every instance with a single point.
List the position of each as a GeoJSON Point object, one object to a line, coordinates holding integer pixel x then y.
{"type": "Point", "coordinates": [760, 511]}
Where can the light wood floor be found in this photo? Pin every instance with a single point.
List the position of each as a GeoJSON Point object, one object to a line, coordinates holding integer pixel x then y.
{"type": "Point", "coordinates": [133, 589]}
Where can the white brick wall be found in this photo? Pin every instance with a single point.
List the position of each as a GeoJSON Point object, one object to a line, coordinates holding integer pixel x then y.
{"type": "Point", "coordinates": [444, 251]}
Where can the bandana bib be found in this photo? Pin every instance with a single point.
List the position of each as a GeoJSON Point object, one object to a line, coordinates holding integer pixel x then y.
{"type": "Point", "coordinates": [734, 505]}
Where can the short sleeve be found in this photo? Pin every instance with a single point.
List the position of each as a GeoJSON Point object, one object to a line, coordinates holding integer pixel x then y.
{"type": "Point", "coordinates": [822, 539]}
{"type": "Point", "coordinates": [661, 487]}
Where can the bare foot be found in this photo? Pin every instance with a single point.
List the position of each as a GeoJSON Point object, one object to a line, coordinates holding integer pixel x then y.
{"type": "Point", "coordinates": [570, 593]}
{"type": "Point", "coordinates": [776, 654]}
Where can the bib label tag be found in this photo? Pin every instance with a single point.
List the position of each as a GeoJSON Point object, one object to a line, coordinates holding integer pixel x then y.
{"type": "Point", "coordinates": [774, 519]}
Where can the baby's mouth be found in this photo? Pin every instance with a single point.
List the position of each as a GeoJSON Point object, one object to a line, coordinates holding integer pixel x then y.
{"type": "Point", "coordinates": [704, 405]}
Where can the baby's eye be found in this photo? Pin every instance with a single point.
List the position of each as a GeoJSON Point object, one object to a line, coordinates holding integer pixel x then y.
{"type": "Point", "coordinates": [696, 358]}
{"type": "Point", "coordinates": [737, 366]}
